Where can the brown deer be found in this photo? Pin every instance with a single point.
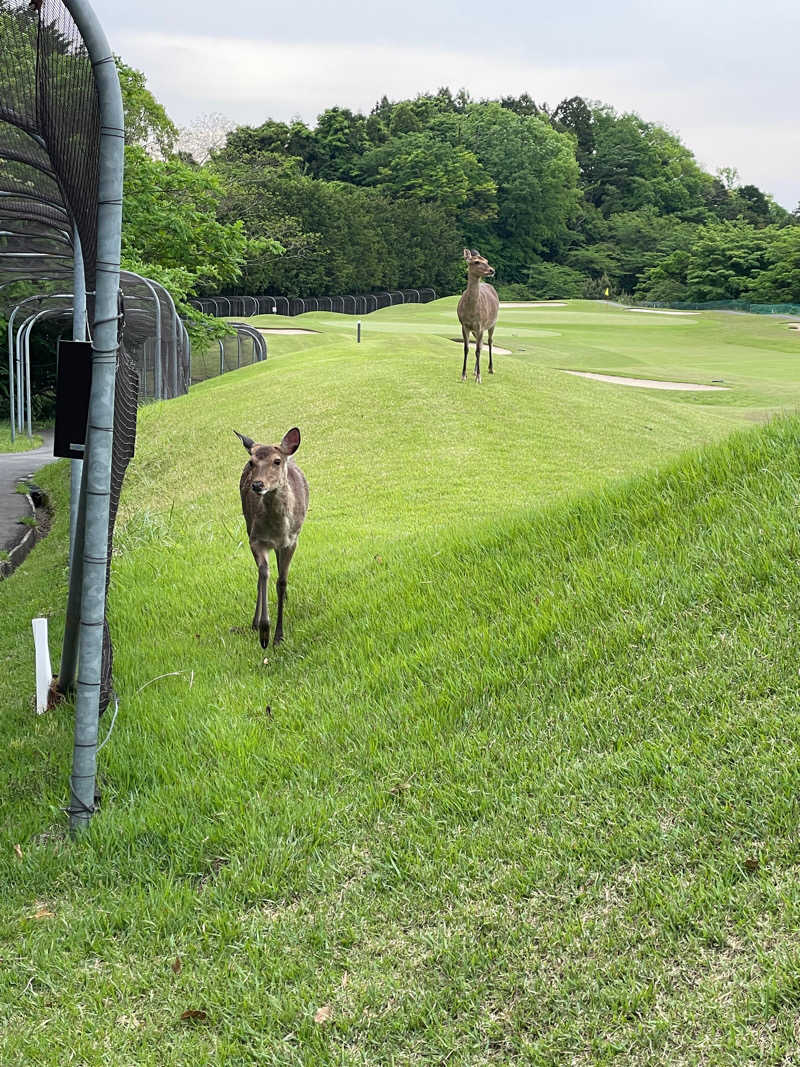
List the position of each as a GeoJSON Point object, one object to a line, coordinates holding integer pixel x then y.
{"type": "Point", "coordinates": [274, 503]}
{"type": "Point", "coordinates": [477, 310]}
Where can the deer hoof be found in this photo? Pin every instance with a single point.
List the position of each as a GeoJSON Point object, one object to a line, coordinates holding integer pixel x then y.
{"type": "Point", "coordinates": [477, 379]}
{"type": "Point", "coordinates": [263, 635]}
{"type": "Point", "coordinates": [278, 638]}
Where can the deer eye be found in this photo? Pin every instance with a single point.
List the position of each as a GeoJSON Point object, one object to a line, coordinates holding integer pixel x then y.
{"type": "Point", "coordinates": [250, 463]}
{"type": "Point", "coordinates": [276, 462]}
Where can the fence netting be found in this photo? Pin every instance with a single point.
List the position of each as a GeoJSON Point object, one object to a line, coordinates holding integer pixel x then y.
{"type": "Point", "coordinates": [724, 305]}
{"type": "Point", "coordinates": [126, 391]}
{"type": "Point", "coordinates": [246, 306]}
{"type": "Point", "coordinates": [49, 124]}
{"type": "Point", "coordinates": [49, 184]}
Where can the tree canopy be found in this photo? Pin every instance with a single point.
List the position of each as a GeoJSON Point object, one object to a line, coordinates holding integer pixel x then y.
{"type": "Point", "coordinates": [566, 201]}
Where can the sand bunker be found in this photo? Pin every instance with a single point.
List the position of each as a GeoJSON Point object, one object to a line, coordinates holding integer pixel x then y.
{"type": "Point", "coordinates": [646, 383]}
{"type": "Point", "coordinates": [485, 348]}
{"type": "Point", "coordinates": [535, 304]}
{"type": "Point", "coordinates": [794, 325]}
{"type": "Point", "coordinates": [660, 311]}
{"type": "Point", "coordinates": [280, 329]}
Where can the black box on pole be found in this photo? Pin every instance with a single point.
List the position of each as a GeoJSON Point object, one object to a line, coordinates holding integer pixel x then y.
{"type": "Point", "coordinates": [73, 383]}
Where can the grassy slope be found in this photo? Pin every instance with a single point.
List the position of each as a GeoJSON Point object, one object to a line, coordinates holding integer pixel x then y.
{"type": "Point", "coordinates": [22, 442]}
{"type": "Point", "coordinates": [527, 791]}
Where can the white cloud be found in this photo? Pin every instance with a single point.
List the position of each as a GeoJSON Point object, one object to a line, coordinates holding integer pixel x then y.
{"type": "Point", "coordinates": [725, 123]}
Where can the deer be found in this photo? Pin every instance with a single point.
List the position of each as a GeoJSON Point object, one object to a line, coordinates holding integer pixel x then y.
{"type": "Point", "coordinates": [274, 494]}
{"type": "Point", "coordinates": [477, 310]}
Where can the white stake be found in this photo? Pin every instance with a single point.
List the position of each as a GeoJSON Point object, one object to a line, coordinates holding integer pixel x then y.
{"type": "Point", "coordinates": [44, 672]}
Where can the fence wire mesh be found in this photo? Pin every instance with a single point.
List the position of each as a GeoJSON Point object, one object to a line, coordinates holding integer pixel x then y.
{"type": "Point", "coordinates": [49, 124]}
{"type": "Point", "coordinates": [246, 306]}
{"type": "Point", "coordinates": [50, 133]}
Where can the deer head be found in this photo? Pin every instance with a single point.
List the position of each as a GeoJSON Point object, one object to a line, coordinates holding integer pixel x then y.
{"type": "Point", "coordinates": [477, 265]}
{"type": "Point", "coordinates": [268, 463]}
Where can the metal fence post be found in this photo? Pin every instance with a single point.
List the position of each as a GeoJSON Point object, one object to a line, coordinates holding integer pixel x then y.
{"type": "Point", "coordinates": [100, 432]}
{"type": "Point", "coordinates": [78, 334]}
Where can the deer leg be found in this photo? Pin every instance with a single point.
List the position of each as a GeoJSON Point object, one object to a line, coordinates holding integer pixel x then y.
{"type": "Point", "coordinates": [491, 335]}
{"type": "Point", "coordinates": [478, 343]}
{"type": "Point", "coordinates": [284, 558]}
{"type": "Point", "coordinates": [465, 335]}
{"type": "Point", "coordinates": [261, 617]}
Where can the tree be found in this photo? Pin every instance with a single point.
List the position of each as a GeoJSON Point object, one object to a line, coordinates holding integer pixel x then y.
{"type": "Point", "coordinates": [202, 138]}
{"type": "Point", "coordinates": [665, 281]}
{"type": "Point", "coordinates": [635, 164]}
{"type": "Point", "coordinates": [725, 260]}
{"type": "Point", "coordinates": [337, 238]}
{"type": "Point", "coordinates": [418, 166]}
{"type": "Point", "coordinates": [146, 122]}
{"type": "Point", "coordinates": [170, 232]}
{"type": "Point", "coordinates": [574, 116]}
{"type": "Point", "coordinates": [779, 281]}
{"type": "Point", "coordinates": [521, 105]}
{"type": "Point", "coordinates": [340, 139]}
{"type": "Point", "coordinates": [536, 174]}
{"type": "Point", "coordinates": [752, 205]}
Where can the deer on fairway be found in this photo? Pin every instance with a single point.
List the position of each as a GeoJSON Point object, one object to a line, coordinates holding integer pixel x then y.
{"type": "Point", "coordinates": [477, 310]}
{"type": "Point", "coordinates": [274, 495]}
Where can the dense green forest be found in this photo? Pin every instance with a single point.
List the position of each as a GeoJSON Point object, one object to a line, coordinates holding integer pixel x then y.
{"type": "Point", "coordinates": [564, 202]}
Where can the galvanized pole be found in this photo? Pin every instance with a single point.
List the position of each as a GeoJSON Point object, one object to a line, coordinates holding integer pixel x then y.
{"type": "Point", "coordinates": [11, 402]}
{"type": "Point", "coordinates": [14, 355]}
{"type": "Point", "coordinates": [187, 342]}
{"type": "Point", "coordinates": [100, 430]}
{"type": "Point", "coordinates": [78, 334]}
{"type": "Point", "coordinates": [157, 369]}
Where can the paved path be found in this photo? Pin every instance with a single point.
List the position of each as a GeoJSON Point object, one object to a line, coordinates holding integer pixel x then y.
{"type": "Point", "coordinates": [13, 466]}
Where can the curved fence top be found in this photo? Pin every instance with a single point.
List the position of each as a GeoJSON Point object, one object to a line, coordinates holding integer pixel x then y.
{"type": "Point", "coordinates": [49, 141]}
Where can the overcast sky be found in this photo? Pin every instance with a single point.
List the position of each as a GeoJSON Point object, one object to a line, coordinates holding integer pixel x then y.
{"type": "Point", "coordinates": [722, 75]}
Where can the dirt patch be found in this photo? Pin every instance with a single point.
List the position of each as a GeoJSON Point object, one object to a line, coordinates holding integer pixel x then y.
{"type": "Point", "coordinates": [281, 329]}
{"type": "Point", "coordinates": [499, 351]}
{"type": "Point", "coordinates": [534, 304]}
{"type": "Point", "coordinates": [794, 325]}
{"type": "Point", "coordinates": [648, 383]}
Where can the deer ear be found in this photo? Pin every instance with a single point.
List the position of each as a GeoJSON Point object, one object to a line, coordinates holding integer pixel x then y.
{"type": "Point", "coordinates": [291, 441]}
{"type": "Point", "coordinates": [248, 442]}
{"type": "Point", "coordinates": [475, 252]}
{"type": "Point", "coordinates": [467, 255]}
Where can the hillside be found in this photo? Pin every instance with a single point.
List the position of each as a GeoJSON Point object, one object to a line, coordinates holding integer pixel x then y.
{"type": "Point", "coordinates": [521, 785]}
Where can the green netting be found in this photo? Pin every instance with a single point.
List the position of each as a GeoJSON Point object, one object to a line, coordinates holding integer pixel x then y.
{"type": "Point", "coordinates": [724, 305]}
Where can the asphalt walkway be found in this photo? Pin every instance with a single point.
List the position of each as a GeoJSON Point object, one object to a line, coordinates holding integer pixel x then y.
{"type": "Point", "coordinates": [13, 506]}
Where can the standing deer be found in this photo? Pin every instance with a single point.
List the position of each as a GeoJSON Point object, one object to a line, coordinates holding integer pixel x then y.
{"type": "Point", "coordinates": [274, 495]}
{"type": "Point", "coordinates": [477, 310]}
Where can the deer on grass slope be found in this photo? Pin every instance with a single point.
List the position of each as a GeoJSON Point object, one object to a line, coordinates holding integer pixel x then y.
{"type": "Point", "coordinates": [477, 310]}
{"type": "Point", "coordinates": [274, 495]}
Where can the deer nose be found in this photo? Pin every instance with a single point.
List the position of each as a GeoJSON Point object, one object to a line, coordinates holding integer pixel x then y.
{"type": "Point", "coordinates": [257, 486]}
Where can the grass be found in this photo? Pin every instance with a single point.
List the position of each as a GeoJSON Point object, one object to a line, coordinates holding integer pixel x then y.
{"type": "Point", "coordinates": [521, 785]}
{"type": "Point", "coordinates": [22, 442]}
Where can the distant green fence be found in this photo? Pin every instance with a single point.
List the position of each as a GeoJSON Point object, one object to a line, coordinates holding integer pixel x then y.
{"type": "Point", "coordinates": [726, 305]}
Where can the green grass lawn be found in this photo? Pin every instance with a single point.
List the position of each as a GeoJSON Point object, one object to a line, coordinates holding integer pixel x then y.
{"type": "Point", "coordinates": [22, 442]}
{"type": "Point", "coordinates": [521, 785]}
